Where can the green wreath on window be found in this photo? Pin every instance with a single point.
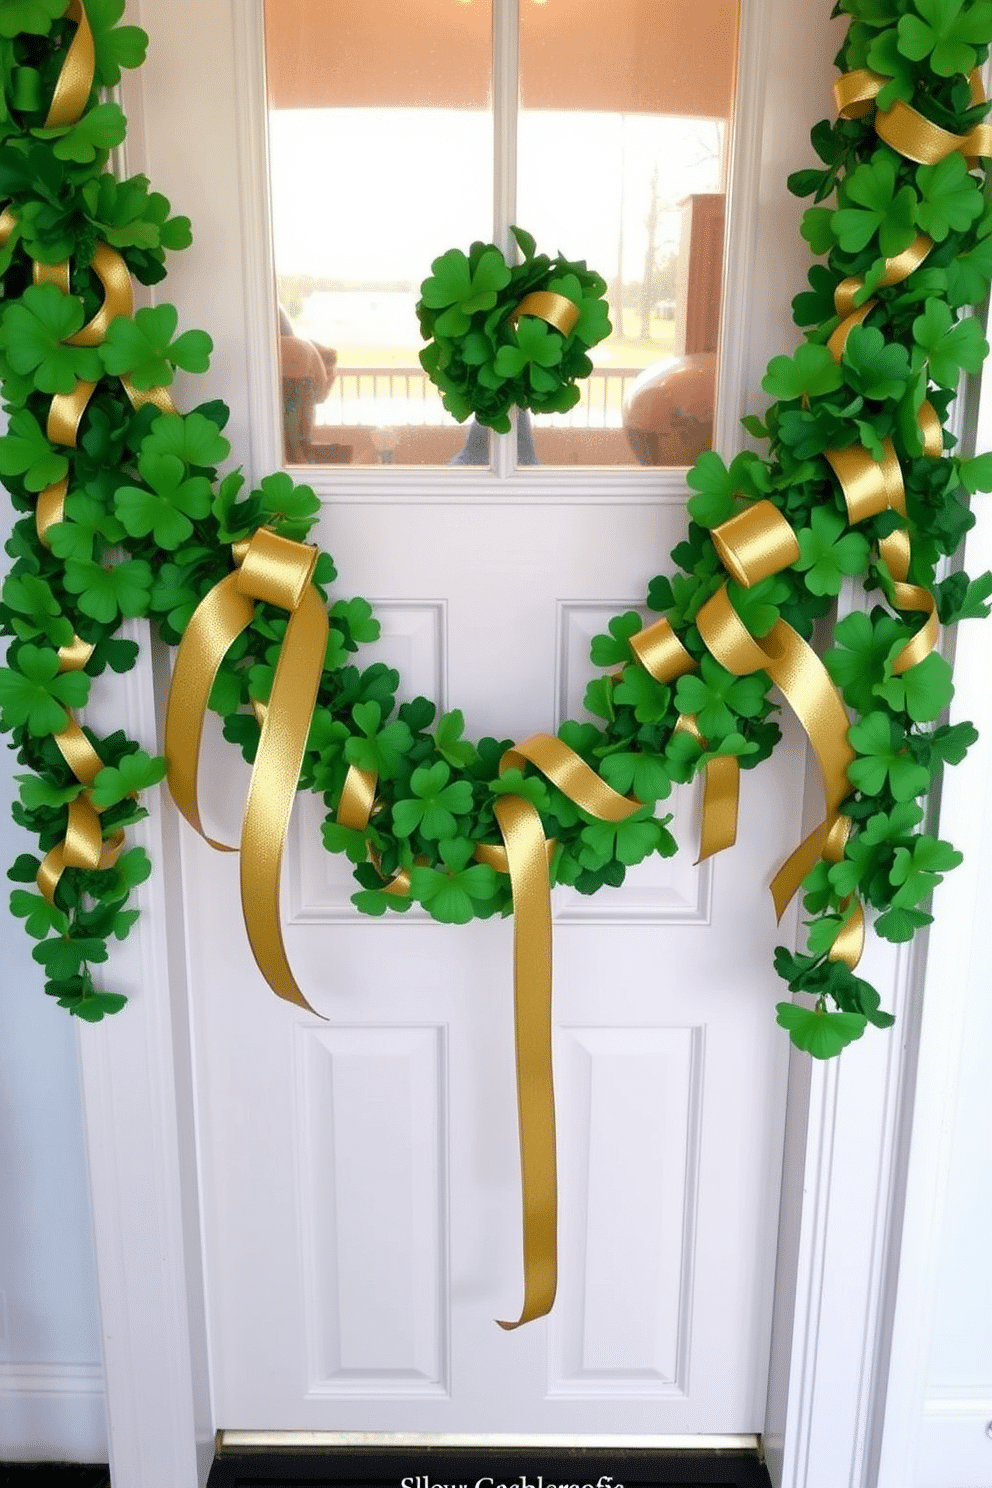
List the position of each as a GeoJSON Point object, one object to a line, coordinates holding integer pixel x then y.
{"type": "Point", "coordinates": [98, 463]}
{"type": "Point", "coordinates": [509, 335]}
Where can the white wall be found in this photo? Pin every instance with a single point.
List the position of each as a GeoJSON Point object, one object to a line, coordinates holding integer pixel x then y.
{"type": "Point", "coordinates": [51, 1377]}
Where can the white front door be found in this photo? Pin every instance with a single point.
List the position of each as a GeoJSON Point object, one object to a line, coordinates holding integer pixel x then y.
{"type": "Point", "coordinates": [359, 1179]}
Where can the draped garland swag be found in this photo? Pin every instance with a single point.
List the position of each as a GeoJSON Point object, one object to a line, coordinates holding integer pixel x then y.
{"type": "Point", "coordinates": [124, 513]}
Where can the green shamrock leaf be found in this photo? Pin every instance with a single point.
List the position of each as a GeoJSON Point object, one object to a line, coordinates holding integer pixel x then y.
{"type": "Point", "coordinates": [817, 230]}
{"type": "Point", "coordinates": [923, 691]}
{"type": "Point", "coordinates": [144, 349]}
{"type": "Point", "coordinates": [31, 597]}
{"type": "Point", "coordinates": [884, 57]}
{"type": "Point", "coordinates": [101, 128]}
{"type": "Point", "coordinates": [448, 739]}
{"type": "Point", "coordinates": [287, 508]}
{"type": "Point", "coordinates": [825, 555]}
{"type": "Point", "coordinates": [969, 274]}
{"type": "Point", "coordinates": [883, 758]}
{"type": "Point", "coordinates": [898, 924]}
{"type": "Point", "coordinates": [32, 334]}
{"type": "Point", "coordinates": [115, 46]}
{"type": "Point", "coordinates": [880, 209]}
{"type": "Point", "coordinates": [165, 510]}
{"type": "Point", "coordinates": [858, 663]}
{"type": "Point", "coordinates": [614, 649]}
{"type": "Point", "coordinates": [192, 438]}
{"type": "Point", "coordinates": [105, 593]}
{"type": "Point", "coordinates": [355, 618]}
{"type": "Point", "coordinates": [642, 775]}
{"type": "Point", "coordinates": [637, 689]}
{"type": "Point", "coordinates": [33, 16]}
{"type": "Point", "coordinates": [132, 773]}
{"type": "Point", "coordinates": [758, 607]}
{"type": "Point", "coordinates": [537, 347]}
{"type": "Point", "coordinates": [36, 695]}
{"type": "Point", "coordinates": [818, 1032]}
{"type": "Point", "coordinates": [718, 486]}
{"type": "Point", "coordinates": [873, 367]}
{"type": "Point", "coordinates": [917, 870]}
{"type": "Point", "coordinates": [950, 199]}
{"type": "Point", "coordinates": [459, 291]}
{"type": "Point", "coordinates": [810, 373]}
{"type": "Point", "coordinates": [36, 791]}
{"type": "Point", "coordinates": [25, 451]}
{"type": "Point", "coordinates": [62, 957]}
{"type": "Point", "coordinates": [629, 841]}
{"type": "Point", "coordinates": [381, 750]}
{"type": "Point", "coordinates": [40, 918]}
{"type": "Point", "coordinates": [454, 897]}
{"type": "Point", "coordinates": [86, 520]}
{"type": "Point", "coordinates": [717, 695]}
{"type": "Point", "coordinates": [515, 783]}
{"type": "Point", "coordinates": [946, 346]}
{"type": "Point", "coordinates": [435, 803]}
{"type": "Point", "coordinates": [949, 32]}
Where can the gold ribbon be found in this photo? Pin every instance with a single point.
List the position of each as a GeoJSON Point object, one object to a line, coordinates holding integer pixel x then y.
{"type": "Point", "coordinates": [278, 572]}
{"type": "Point", "coordinates": [75, 80]}
{"type": "Point", "coordinates": [903, 127]}
{"type": "Point", "coordinates": [558, 310]}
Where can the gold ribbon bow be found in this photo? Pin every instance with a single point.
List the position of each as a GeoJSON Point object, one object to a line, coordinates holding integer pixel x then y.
{"type": "Point", "coordinates": [275, 571]}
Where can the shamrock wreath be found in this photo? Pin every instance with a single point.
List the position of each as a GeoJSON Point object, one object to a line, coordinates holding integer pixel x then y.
{"type": "Point", "coordinates": [860, 480]}
{"type": "Point", "coordinates": [501, 335]}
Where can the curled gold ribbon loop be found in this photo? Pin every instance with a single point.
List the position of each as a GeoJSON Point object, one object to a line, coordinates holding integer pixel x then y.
{"type": "Point", "coordinates": [357, 797]}
{"type": "Point", "coordinates": [278, 572]}
{"type": "Point", "coordinates": [855, 92]}
{"type": "Point", "coordinates": [557, 309]}
{"type": "Point", "coordinates": [868, 486]}
{"type": "Point", "coordinates": [804, 682]}
{"type": "Point", "coordinates": [918, 139]}
{"type": "Point", "coordinates": [112, 272]}
{"type": "Point", "coordinates": [755, 544]}
{"type": "Point", "coordinates": [661, 653]}
{"type": "Point", "coordinates": [75, 81]}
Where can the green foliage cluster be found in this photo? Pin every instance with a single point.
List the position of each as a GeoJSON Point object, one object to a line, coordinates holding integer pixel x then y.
{"type": "Point", "coordinates": [148, 514]}
{"type": "Point", "coordinates": [484, 361]}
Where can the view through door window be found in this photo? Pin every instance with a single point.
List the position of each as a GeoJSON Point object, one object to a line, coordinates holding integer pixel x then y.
{"type": "Point", "coordinates": [391, 137]}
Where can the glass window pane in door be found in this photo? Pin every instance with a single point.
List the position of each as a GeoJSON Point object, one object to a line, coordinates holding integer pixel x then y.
{"type": "Point", "coordinates": [380, 145]}
{"type": "Point", "coordinates": [623, 137]}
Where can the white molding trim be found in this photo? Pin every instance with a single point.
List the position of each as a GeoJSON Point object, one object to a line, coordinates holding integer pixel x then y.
{"type": "Point", "coordinates": [52, 1412]}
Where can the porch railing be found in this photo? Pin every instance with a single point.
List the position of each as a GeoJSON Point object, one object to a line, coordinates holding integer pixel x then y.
{"type": "Point", "coordinates": [380, 397]}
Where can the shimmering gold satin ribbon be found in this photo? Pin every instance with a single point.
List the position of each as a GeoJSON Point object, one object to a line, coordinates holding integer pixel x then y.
{"type": "Point", "coordinates": [903, 127]}
{"type": "Point", "coordinates": [558, 310]}
{"type": "Point", "coordinates": [75, 80]}
{"type": "Point", "coordinates": [754, 545]}
{"type": "Point", "coordinates": [277, 572]}
{"type": "Point", "coordinates": [661, 653]}
{"type": "Point", "coordinates": [845, 295]}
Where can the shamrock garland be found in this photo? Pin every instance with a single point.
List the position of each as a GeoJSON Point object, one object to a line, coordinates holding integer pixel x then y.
{"type": "Point", "coordinates": [907, 247]}
{"type": "Point", "coordinates": [489, 347]}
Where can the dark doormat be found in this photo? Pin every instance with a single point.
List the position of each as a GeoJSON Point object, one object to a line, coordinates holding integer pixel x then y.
{"type": "Point", "coordinates": [54, 1475]}
{"type": "Point", "coordinates": [466, 1467]}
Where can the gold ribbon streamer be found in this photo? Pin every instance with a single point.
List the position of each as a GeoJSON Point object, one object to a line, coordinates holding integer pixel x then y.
{"type": "Point", "coordinates": [277, 572]}
{"type": "Point", "coordinates": [523, 837]}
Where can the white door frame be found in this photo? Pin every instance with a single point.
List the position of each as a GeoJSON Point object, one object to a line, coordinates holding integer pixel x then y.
{"type": "Point", "coordinates": [838, 1233]}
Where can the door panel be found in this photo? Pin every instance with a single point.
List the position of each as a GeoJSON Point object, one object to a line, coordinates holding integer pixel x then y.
{"type": "Point", "coordinates": [359, 1170]}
